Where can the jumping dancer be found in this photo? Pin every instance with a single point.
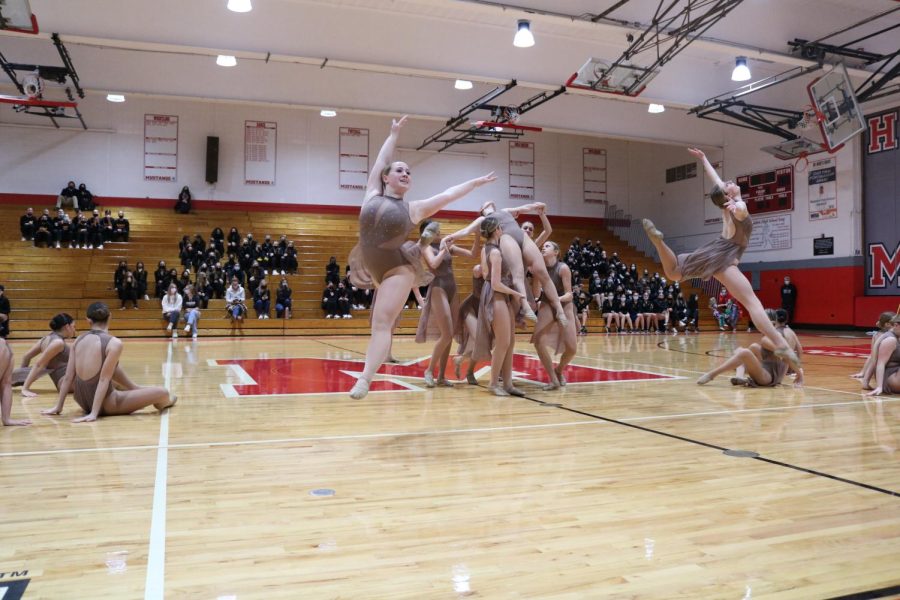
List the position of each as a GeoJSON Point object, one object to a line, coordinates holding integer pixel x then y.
{"type": "Point", "coordinates": [720, 257]}
{"type": "Point", "coordinates": [549, 333]}
{"type": "Point", "coordinates": [384, 257]}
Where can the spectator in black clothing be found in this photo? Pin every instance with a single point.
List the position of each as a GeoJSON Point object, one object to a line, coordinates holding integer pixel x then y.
{"type": "Point", "coordinates": [234, 271]}
{"type": "Point", "coordinates": [160, 280]}
{"type": "Point", "coordinates": [95, 232]}
{"type": "Point", "coordinates": [85, 198]}
{"type": "Point", "coordinates": [289, 260]}
{"type": "Point", "coordinates": [81, 228]}
{"type": "Point", "coordinates": [128, 290]}
{"type": "Point", "coordinates": [121, 228]}
{"type": "Point", "coordinates": [119, 275]}
{"type": "Point", "coordinates": [68, 194]}
{"type": "Point", "coordinates": [247, 255]}
{"type": "Point", "coordinates": [218, 280]}
{"type": "Point", "coordinates": [254, 276]}
{"type": "Point", "coordinates": [203, 289]}
{"type": "Point", "coordinates": [789, 298]}
{"type": "Point", "coordinates": [173, 278]}
{"type": "Point", "coordinates": [332, 271]}
{"type": "Point", "coordinates": [234, 240]}
{"type": "Point", "coordinates": [692, 320]}
{"type": "Point", "coordinates": [262, 300]}
{"type": "Point", "coordinates": [43, 233]}
{"type": "Point", "coordinates": [265, 254]}
{"type": "Point", "coordinates": [186, 255]}
{"type": "Point", "coordinates": [183, 205]}
{"type": "Point", "coordinates": [184, 281]}
{"type": "Point", "coordinates": [4, 313]}
{"type": "Point", "coordinates": [343, 301]}
{"type": "Point", "coordinates": [217, 240]}
{"type": "Point", "coordinates": [107, 226]}
{"type": "Point", "coordinates": [62, 229]}
{"type": "Point", "coordinates": [330, 302]}
{"type": "Point", "coordinates": [140, 280]}
{"type": "Point", "coordinates": [198, 242]}
{"type": "Point", "coordinates": [283, 301]}
{"type": "Point", "coordinates": [27, 224]}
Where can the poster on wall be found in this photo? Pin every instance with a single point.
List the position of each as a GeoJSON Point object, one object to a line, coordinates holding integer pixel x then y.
{"type": "Point", "coordinates": [712, 214]}
{"type": "Point", "coordinates": [353, 158]}
{"type": "Point", "coordinates": [260, 146]}
{"type": "Point", "coordinates": [881, 209]}
{"type": "Point", "coordinates": [521, 170]}
{"type": "Point", "coordinates": [593, 165]}
{"type": "Point", "coordinates": [823, 189]}
{"type": "Point", "coordinates": [160, 148]}
{"type": "Point", "coordinates": [770, 233]}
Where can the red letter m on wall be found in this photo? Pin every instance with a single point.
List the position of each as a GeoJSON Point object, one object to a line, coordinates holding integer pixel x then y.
{"type": "Point", "coordinates": [883, 267]}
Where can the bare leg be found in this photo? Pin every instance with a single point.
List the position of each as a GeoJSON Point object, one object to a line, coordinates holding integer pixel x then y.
{"type": "Point", "coordinates": [121, 379]}
{"type": "Point", "coordinates": [570, 339]}
{"type": "Point", "coordinates": [512, 254]}
{"type": "Point", "coordinates": [741, 357]}
{"type": "Point", "coordinates": [440, 310]}
{"type": "Point", "coordinates": [391, 296]}
{"type": "Point", "coordinates": [129, 401]}
{"type": "Point", "coordinates": [666, 256]}
{"type": "Point", "coordinates": [506, 369]}
{"type": "Point", "coordinates": [502, 325]}
{"type": "Point", "coordinates": [535, 261]}
{"type": "Point", "coordinates": [541, 329]}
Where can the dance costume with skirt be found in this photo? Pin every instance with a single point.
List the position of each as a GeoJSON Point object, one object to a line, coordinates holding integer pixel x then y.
{"type": "Point", "coordinates": [553, 334]}
{"type": "Point", "coordinates": [85, 389]}
{"type": "Point", "coordinates": [773, 365]}
{"type": "Point", "coordinates": [484, 332]}
{"type": "Point", "coordinates": [470, 305]}
{"type": "Point", "coordinates": [384, 226]}
{"type": "Point", "coordinates": [56, 367]}
{"type": "Point", "coordinates": [719, 254]}
{"type": "Point", "coordinates": [443, 279]}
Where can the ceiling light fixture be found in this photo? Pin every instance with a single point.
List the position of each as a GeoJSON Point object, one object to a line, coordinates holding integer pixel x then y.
{"type": "Point", "coordinates": [741, 70]}
{"type": "Point", "coordinates": [656, 108]}
{"type": "Point", "coordinates": [115, 97]}
{"type": "Point", "coordinates": [327, 113]}
{"type": "Point", "coordinates": [524, 38]}
{"type": "Point", "coordinates": [224, 60]}
{"type": "Point", "coordinates": [463, 84]}
{"type": "Point", "coordinates": [240, 6]}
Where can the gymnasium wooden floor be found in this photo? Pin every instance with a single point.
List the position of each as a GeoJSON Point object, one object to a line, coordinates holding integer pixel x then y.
{"type": "Point", "coordinates": [621, 491]}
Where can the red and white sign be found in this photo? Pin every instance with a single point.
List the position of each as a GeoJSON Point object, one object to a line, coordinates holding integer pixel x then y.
{"type": "Point", "coordinates": [273, 377]}
{"type": "Point", "coordinates": [160, 148]}
{"type": "Point", "coordinates": [521, 170]}
{"type": "Point", "coordinates": [353, 158]}
{"type": "Point", "coordinates": [593, 165]}
{"type": "Point", "coordinates": [260, 148]}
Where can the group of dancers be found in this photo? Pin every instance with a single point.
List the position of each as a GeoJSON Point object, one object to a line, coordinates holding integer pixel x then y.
{"type": "Point", "coordinates": [484, 323]}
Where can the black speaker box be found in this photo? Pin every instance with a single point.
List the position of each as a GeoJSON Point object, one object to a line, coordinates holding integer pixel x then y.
{"type": "Point", "coordinates": [212, 159]}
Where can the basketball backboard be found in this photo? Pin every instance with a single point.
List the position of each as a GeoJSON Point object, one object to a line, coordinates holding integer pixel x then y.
{"type": "Point", "coordinates": [16, 15]}
{"type": "Point", "coordinates": [792, 149]}
{"type": "Point", "coordinates": [600, 75]}
{"type": "Point", "coordinates": [836, 108]}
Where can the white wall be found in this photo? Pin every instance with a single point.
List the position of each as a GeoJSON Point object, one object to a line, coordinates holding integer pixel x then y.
{"type": "Point", "coordinates": [40, 161]}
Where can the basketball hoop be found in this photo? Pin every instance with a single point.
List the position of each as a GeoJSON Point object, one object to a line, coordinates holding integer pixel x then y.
{"type": "Point", "coordinates": [801, 163]}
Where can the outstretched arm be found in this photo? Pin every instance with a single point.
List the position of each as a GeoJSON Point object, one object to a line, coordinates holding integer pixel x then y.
{"type": "Point", "coordinates": [53, 348]}
{"type": "Point", "coordinates": [32, 352]}
{"type": "Point", "coordinates": [373, 187]}
{"type": "Point", "coordinates": [472, 252]}
{"type": "Point", "coordinates": [472, 227]}
{"type": "Point", "coordinates": [422, 209]}
{"type": "Point", "coordinates": [710, 171]}
{"type": "Point", "coordinates": [545, 223]}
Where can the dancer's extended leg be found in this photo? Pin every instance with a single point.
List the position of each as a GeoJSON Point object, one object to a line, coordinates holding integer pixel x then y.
{"type": "Point", "coordinates": [503, 326]}
{"type": "Point", "coordinates": [392, 294]}
{"type": "Point", "coordinates": [741, 357]}
{"type": "Point", "coordinates": [128, 401]}
{"type": "Point", "coordinates": [541, 329]}
{"type": "Point", "coordinates": [440, 310]}
{"type": "Point", "coordinates": [535, 261]}
{"type": "Point", "coordinates": [666, 256]}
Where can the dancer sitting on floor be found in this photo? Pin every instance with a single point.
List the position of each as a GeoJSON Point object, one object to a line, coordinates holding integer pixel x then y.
{"type": "Point", "coordinates": [548, 333]}
{"type": "Point", "coordinates": [882, 327]}
{"type": "Point", "coordinates": [495, 335]}
{"type": "Point", "coordinates": [98, 352]}
{"type": "Point", "coordinates": [887, 367]}
{"type": "Point", "coordinates": [757, 365]}
{"type": "Point", "coordinates": [52, 354]}
{"type": "Point", "coordinates": [720, 257]}
{"type": "Point", "coordinates": [441, 301]}
{"type": "Point", "coordinates": [384, 257]}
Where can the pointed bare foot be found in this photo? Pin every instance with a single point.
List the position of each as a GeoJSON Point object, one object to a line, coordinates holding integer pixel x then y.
{"type": "Point", "coordinates": [360, 390]}
{"type": "Point", "coordinates": [514, 391]}
{"type": "Point", "coordinates": [651, 230]}
{"type": "Point", "coordinates": [444, 383]}
{"type": "Point", "coordinates": [549, 387]}
{"type": "Point", "coordinates": [497, 391]}
{"type": "Point", "coordinates": [470, 378]}
{"type": "Point", "coordinates": [705, 378]}
{"type": "Point", "coordinates": [429, 379]}
{"type": "Point", "coordinates": [28, 393]}
{"type": "Point", "coordinates": [166, 405]}
{"type": "Point", "coordinates": [738, 381]}
{"type": "Point", "coordinates": [560, 377]}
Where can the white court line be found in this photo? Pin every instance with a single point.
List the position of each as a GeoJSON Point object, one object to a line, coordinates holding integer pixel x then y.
{"type": "Point", "coordinates": [154, 588]}
{"type": "Point", "coordinates": [742, 410]}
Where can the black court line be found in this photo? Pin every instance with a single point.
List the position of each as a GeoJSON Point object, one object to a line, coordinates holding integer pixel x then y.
{"type": "Point", "coordinates": [867, 594]}
{"type": "Point", "coordinates": [682, 438]}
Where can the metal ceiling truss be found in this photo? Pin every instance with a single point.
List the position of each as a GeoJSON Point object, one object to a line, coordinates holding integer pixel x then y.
{"type": "Point", "coordinates": [460, 130]}
{"type": "Point", "coordinates": [49, 73]}
{"type": "Point", "coordinates": [675, 24]}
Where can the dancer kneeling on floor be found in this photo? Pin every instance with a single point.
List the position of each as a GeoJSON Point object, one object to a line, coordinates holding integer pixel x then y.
{"type": "Point", "coordinates": [98, 352]}
{"type": "Point", "coordinates": [757, 365]}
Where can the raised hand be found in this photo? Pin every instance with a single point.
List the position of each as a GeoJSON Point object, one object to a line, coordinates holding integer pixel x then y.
{"type": "Point", "coordinates": [489, 178]}
{"type": "Point", "coordinates": [697, 152]}
{"type": "Point", "coordinates": [397, 124]}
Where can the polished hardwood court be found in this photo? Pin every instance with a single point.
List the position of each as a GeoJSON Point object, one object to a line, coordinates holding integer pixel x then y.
{"type": "Point", "coordinates": [267, 481]}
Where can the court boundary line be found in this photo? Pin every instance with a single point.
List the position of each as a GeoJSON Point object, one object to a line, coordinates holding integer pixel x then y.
{"type": "Point", "coordinates": [154, 586]}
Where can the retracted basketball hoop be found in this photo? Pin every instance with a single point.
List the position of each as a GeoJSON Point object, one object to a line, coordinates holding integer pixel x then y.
{"type": "Point", "coordinates": [836, 109]}
{"type": "Point", "coordinates": [16, 15]}
{"type": "Point", "coordinates": [613, 78]}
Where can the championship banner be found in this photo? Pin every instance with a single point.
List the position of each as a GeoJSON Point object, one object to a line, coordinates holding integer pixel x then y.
{"type": "Point", "coordinates": [260, 147]}
{"type": "Point", "coordinates": [881, 203]}
{"type": "Point", "coordinates": [823, 189]}
{"type": "Point", "coordinates": [160, 148]}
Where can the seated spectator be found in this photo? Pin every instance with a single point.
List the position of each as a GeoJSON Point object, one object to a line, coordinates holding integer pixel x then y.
{"type": "Point", "coordinates": [119, 275]}
{"type": "Point", "coordinates": [85, 198]}
{"type": "Point", "coordinates": [191, 306]}
{"type": "Point", "coordinates": [610, 316]}
{"type": "Point", "coordinates": [27, 225]}
{"type": "Point", "coordinates": [81, 227]}
{"type": "Point", "coordinates": [679, 313]}
{"type": "Point", "coordinates": [234, 241]}
{"type": "Point", "coordinates": [121, 228]}
{"type": "Point", "coordinates": [203, 289]}
{"type": "Point", "coordinates": [265, 254]}
{"type": "Point", "coordinates": [174, 278]}
{"type": "Point", "coordinates": [183, 205]}
{"type": "Point", "coordinates": [332, 271]}
{"type": "Point", "coordinates": [171, 308]}
{"type": "Point", "coordinates": [283, 302]}
{"type": "Point", "coordinates": [62, 229]}
{"type": "Point", "coordinates": [254, 276]}
{"type": "Point", "coordinates": [728, 317]}
{"type": "Point", "coordinates": [140, 279]}
{"type": "Point", "coordinates": [217, 279]}
{"type": "Point", "coordinates": [107, 226]}
{"type": "Point", "coordinates": [161, 279]}
{"type": "Point", "coordinates": [330, 301]}
{"type": "Point", "coordinates": [186, 255]}
{"type": "Point", "coordinates": [43, 233]}
{"type": "Point", "coordinates": [262, 300]}
{"type": "Point", "coordinates": [95, 229]}
{"type": "Point", "coordinates": [581, 302]}
{"type": "Point", "coordinates": [68, 194]}
{"type": "Point", "coordinates": [185, 280]}
{"type": "Point", "coordinates": [662, 312]}
{"type": "Point", "coordinates": [289, 259]}
{"type": "Point", "coordinates": [198, 242]}
{"type": "Point", "coordinates": [128, 290]}
{"type": "Point", "coordinates": [217, 240]}
{"type": "Point", "coordinates": [247, 253]}
{"type": "Point", "coordinates": [234, 301]}
{"type": "Point", "coordinates": [343, 301]}
{"type": "Point", "coordinates": [4, 313]}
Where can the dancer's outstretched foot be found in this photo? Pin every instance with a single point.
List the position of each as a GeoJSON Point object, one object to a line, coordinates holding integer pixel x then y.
{"type": "Point", "coordinates": [549, 387]}
{"type": "Point", "coordinates": [429, 379]}
{"type": "Point", "coordinates": [470, 378]}
{"type": "Point", "coordinates": [360, 390]}
{"type": "Point", "coordinates": [164, 405]}
{"type": "Point", "coordinates": [789, 356]}
{"type": "Point", "coordinates": [560, 376]}
{"type": "Point", "coordinates": [444, 383]}
{"type": "Point", "coordinates": [429, 233]}
{"type": "Point", "coordinates": [529, 313]}
{"type": "Point", "coordinates": [705, 378]}
{"type": "Point", "coordinates": [739, 381]}
{"type": "Point", "coordinates": [514, 391]}
{"type": "Point", "coordinates": [651, 230]}
{"type": "Point", "coordinates": [497, 391]}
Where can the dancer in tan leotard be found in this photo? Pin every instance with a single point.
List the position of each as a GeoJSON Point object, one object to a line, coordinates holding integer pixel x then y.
{"type": "Point", "coordinates": [887, 369]}
{"type": "Point", "coordinates": [98, 352]}
{"type": "Point", "coordinates": [6, 369]}
{"type": "Point", "coordinates": [384, 257]}
{"type": "Point", "coordinates": [548, 333]}
{"type": "Point", "coordinates": [52, 356]}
